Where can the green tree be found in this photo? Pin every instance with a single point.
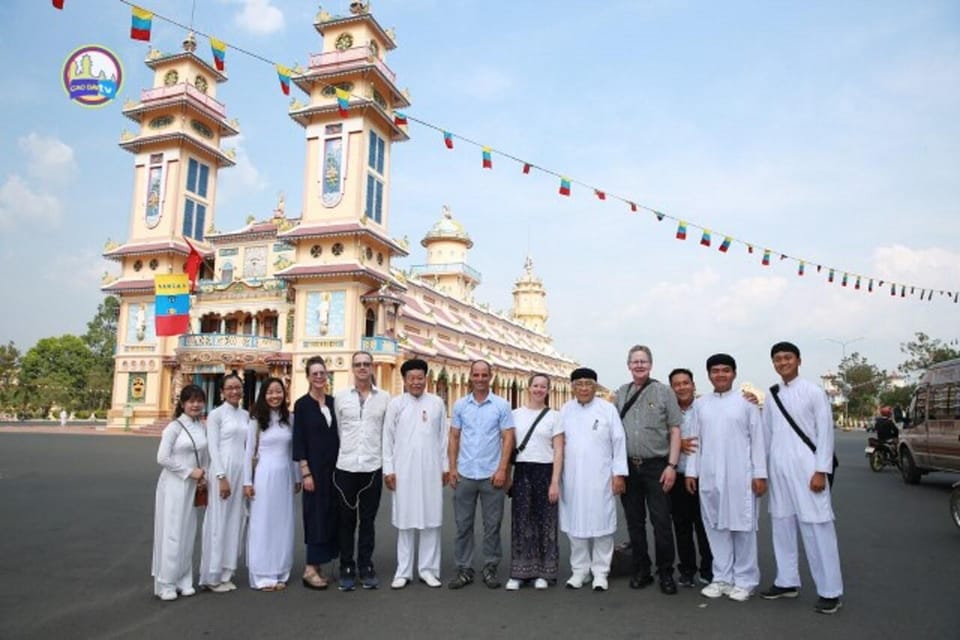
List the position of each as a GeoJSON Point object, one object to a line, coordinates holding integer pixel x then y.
{"type": "Point", "coordinates": [54, 372]}
{"type": "Point", "coordinates": [897, 396]}
{"type": "Point", "coordinates": [9, 375]}
{"type": "Point", "coordinates": [924, 351]}
{"type": "Point", "coordinates": [861, 384]}
{"type": "Point", "coordinates": [101, 338]}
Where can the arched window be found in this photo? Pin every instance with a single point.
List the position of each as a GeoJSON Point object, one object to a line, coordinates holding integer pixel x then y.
{"type": "Point", "coordinates": [370, 325]}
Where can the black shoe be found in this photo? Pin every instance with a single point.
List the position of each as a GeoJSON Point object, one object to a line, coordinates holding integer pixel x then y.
{"type": "Point", "coordinates": [775, 593]}
{"type": "Point", "coordinates": [462, 579]}
{"type": "Point", "coordinates": [640, 581]}
{"type": "Point", "coordinates": [348, 579]}
{"type": "Point", "coordinates": [668, 586]}
{"type": "Point", "coordinates": [705, 578]}
{"type": "Point", "coordinates": [686, 580]}
{"type": "Point", "coordinates": [828, 605]}
{"type": "Point", "coordinates": [490, 577]}
{"type": "Point", "coordinates": [368, 578]}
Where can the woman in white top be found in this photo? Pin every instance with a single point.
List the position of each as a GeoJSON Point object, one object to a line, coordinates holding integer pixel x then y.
{"type": "Point", "coordinates": [182, 454]}
{"type": "Point", "coordinates": [270, 486]}
{"type": "Point", "coordinates": [534, 553]}
{"type": "Point", "coordinates": [226, 433]}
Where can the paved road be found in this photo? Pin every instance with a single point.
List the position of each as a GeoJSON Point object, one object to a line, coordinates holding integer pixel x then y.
{"type": "Point", "coordinates": [76, 526]}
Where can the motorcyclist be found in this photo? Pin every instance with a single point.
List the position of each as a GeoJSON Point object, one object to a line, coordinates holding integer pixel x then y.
{"type": "Point", "coordinates": [885, 427]}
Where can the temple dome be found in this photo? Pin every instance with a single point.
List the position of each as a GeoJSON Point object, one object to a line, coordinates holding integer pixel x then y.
{"type": "Point", "coordinates": [447, 228]}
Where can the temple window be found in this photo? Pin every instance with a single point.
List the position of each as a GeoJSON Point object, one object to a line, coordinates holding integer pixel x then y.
{"type": "Point", "coordinates": [375, 173]}
{"type": "Point", "coordinates": [370, 324]}
{"type": "Point", "coordinates": [194, 210]}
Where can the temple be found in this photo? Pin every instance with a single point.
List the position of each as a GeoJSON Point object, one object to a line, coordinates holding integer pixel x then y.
{"type": "Point", "coordinates": [281, 289]}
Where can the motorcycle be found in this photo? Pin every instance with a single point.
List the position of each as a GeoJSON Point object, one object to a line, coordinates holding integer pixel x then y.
{"type": "Point", "coordinates": [955, 504]}
{"type": "Point", "coordinates": [881, 454]}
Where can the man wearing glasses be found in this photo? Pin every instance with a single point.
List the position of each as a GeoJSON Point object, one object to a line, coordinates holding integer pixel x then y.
{"type": "Point", "coordinates": [358, 477]}
{"type": "Point", "coordinates": [651, 418]}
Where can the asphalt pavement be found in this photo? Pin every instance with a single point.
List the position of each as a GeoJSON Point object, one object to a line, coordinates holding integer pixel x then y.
{"type": "Point", "coordinates": [76, 528]}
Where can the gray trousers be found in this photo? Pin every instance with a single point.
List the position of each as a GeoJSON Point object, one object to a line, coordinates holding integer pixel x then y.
{"type": "Point", "coordinates": [465, 508]}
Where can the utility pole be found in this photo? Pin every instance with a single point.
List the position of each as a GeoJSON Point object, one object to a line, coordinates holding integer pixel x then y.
{"type": "Point", "coordinates": [843, 356]}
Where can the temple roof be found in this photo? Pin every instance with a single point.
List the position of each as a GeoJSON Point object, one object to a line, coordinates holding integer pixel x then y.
{"type": "Point", "coordinates": [447, 228]}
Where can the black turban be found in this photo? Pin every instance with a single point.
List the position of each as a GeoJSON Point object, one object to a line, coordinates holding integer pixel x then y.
{"type": "Point", "coordinates": [789, 347]}
{"type": "Point", "coordinates": [583, 372]}
{"type": "Point", "coordinates": [721, 359]}
{"type": "Point", "coordinates": [415, 364]}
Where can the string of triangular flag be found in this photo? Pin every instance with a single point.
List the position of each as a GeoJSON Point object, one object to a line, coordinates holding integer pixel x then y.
{"type": "Point", "coordinates": [140, 29]}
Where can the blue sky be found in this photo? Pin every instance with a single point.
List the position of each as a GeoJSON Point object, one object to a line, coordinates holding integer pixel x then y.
{"type": "Point", "coordinates": [823, 130]}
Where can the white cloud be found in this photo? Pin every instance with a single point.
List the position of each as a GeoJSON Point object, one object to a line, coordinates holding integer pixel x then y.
{"type": "Point", "coordinates": [49, 158]}
{"type": "Point", "coordinates": [925, 268]}
{"type": "Point", "coordinates": [19, 204]}
{"type": "Point", "coordinates": [241, 180]}
{"type": "Point", "coordinates": [260, 17]}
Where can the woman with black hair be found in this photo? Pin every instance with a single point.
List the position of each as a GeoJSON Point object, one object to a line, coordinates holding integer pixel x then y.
{"type": "Point", "coordinates": [270, 481]}
{"type": "Point", "coordinates": [183, 455]}
{"type": "Point", "coordinates": [226, 434]}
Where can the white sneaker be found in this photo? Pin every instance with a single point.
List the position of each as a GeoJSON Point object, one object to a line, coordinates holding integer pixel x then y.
{"type": "Point", "coordinates": [168, 594]}
{"type": "Point", "coordinates": [513, 585]}
{"type": "Point", "coordinates": [740, 594]}
{"type": "Point", "coordinates": [576, 580]}
{"type": "Point", "coordinates": [541, 584]}
{"type": "Point", "coordinates": [600, 583]}
{"type": "Point", "coordinates": [229, 585]}
{"type": "Point", "coordinates": [430, 580]}
{"type": "Point", "coordinates": [399, 583]}
{"type": "Point", "coordinates": [716, 589]}
{"type": "Point", "coordinates": [189, 591]}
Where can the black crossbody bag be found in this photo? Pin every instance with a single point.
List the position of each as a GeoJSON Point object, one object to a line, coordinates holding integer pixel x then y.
{"type": "Point", "coordinates": [775, 390]}
{"type": "Point", "coordinates": [633, 398]}
{"type": "Point", "coordinates": [523, 445]}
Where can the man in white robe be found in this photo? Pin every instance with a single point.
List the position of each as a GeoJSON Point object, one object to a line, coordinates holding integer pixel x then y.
{"type": "Point", "coordinates": [799, 490]}
{"type": "Point", "coordinates": [594, 470]}
{"type": "Point", "coordinates": [729, 470]}
{"type": "Point", "coordinates": [415, 468]}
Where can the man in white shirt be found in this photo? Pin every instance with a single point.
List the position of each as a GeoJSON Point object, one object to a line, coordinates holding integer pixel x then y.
{"type": "Point", "coordinates": [799, 487]}
{"type": "Point", "coordinates": [358, 478]}
{"type": "Point", "coordinates": [594, 473]}
{"type": "Point", "coordinates": [730, 472]}
{"type": "Point", "coordinates": [416, 468]}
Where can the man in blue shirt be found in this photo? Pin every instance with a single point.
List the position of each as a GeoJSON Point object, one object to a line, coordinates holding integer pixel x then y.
{"type": "Point", "coordinates": [481, 440]}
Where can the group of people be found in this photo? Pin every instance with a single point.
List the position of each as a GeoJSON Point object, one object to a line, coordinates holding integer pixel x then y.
{"type": "Point", "coordinates": [697, 465]}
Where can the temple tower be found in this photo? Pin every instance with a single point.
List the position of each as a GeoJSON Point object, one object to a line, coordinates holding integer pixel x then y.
{"type": "Point", "coordinates": [529, 300]}
{"type": "Point", "coordinates": [177, 157]}
{"type": "Point", "coordinates": [346, 297]}
{"type": "Point", "coordinates": [447, 245]}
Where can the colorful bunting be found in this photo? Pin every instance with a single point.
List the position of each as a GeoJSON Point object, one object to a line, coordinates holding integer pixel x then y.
{"type": "Point", "coordinates": [857, 284]}
{"type": "Point", "coordinates": [766, 258]}
{"type": "Point", "coordinates": [903, 291]}
{"type": "Point", "coordinates": [749, 248]}
{"type": "Point", "coordinates": [893, 288]}
{"type": "Point", "coordinates": [448, 139]}
{"type": "Point", "coordinates": [564, 186]}
{"type": "Point", "coordinates": [819, 267]}
{"type": "Point", "coordinates": [399, 118]}
{"type": "Point", "coordinates": [830, 276]}
{"type": "Point", "coordinates": [172, 304]}
{"type": "Point", "coordinates": [725, 244]}
{"type": "Point", "coordinates": [800, 268]}
{"type": "Point", "coordinates": [57, 4]}
{"type": "Point", "coordinates": [843, 281]}
{"type": "Point", "coordinates": [283, 74]}
{"type": "Point", "coordinates": [600, 194]}
{"type": "Point", "coordinates": [659, 215]}
{"type": "Point", "coordinates": [682, 230]}
{"type": "Point", "coordinates": [141, 21]}
{"type": "Point", "coordinates": [526, 167]}
{"type": "Point", "coordinates": [705, 238]}
{"type": "Point", "coordinates": [219, 49]}
{"type": "Point", "coordinates": [343, 102]}
{"type": "Point", "coordinates": [487, 158]}
{"type": "Point", "coordinates": [870, 285]}
{"type": "Point", "coordinates": [633, 206]}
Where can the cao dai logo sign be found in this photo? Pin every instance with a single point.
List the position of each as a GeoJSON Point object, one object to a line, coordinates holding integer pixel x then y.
{"type": "Point", "coordinates": [92, 75]}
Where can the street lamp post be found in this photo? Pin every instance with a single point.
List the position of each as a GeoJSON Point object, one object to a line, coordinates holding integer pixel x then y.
{"type": "Point", "coordinates": [843, 356]}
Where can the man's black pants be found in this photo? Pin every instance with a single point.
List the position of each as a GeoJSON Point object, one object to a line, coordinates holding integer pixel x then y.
{"type": "Point", "coordinates": [644, 492]}
{"type": "Point", "coordinates": [358, 494]}
{"type": "Point", "coordinates": [688, 520]}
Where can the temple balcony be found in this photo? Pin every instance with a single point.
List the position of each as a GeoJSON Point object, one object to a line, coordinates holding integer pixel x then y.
{"type": "Point", "coordinates": [448, 268]}
{"type": "Point", "coordinates": [178, 91]}
{"type": "Point", "coordinates": [228, 342]}
{"type": "Point", "coordinates": [379, 345]}
{"type": "Point", "coordinates": [347, 60]}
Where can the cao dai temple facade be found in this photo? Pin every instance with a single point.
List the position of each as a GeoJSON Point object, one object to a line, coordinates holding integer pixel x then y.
{"type": "Point", "coordinates": [280, 290]}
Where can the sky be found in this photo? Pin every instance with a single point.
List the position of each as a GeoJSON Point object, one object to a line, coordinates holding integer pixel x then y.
{"type": "Point", "coordinates": [824, 131]}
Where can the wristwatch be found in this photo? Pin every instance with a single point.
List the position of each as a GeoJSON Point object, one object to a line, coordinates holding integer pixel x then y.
{"type": "Point", "coordinates": [672, 465]}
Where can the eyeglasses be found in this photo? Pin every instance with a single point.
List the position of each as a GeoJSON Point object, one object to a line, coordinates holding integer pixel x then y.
{"type": "Point", "coordinates": [642, 363]}
{"type": "Point", "coordinates": [363, 364]}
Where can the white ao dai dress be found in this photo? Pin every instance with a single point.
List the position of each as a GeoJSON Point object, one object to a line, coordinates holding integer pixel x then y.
{"type": "Point", "coordinates": [270, 530]}
{"type": "Point", "coordinates": [175, 517]}
{"type": "Point", "coordinates": [223, 523]}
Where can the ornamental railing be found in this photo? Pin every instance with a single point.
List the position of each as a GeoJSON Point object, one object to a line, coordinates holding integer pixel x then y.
{"type": "Point", "coordinates": [331, 60]}
{"type": "Point", "coordinates": [173, 91]}
{"type": "Point", "coordinates": [379, 345]}
{"type": "Point", "coordinates": [229, 341]}
{"type": "Point", "coordinates": [440, 269]}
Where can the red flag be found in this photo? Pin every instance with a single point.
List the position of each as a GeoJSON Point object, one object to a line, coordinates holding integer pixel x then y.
{"type": "Point", "coordinates": [194, 262]}
{"type": "Point", "coordinates": [58, 4]}
{"type": "Point", "coordinates": [633, 207]}
{"type": "Point", "coordinates": [526, 167]}
{"type": "Point", "coordinates": [600, 194]}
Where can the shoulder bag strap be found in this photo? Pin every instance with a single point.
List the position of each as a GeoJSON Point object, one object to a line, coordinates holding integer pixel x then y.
{"type": "Point", "coordinates": [633, 398]}
{"type": "Point", "coordinates": [775, 390]}
{"type": "Point", "coordinates": [196, 454]}
{"type": "Point", "coordinates": [526, 438]}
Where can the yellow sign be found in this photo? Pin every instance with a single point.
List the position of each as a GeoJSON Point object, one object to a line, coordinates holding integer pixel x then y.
{"type": "Point", "coordinates": [172, 284]}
